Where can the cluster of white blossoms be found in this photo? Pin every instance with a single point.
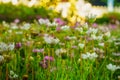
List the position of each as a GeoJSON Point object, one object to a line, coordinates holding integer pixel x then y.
{"type": "Point", "coordinates": [6, 47]}
{"type": "Point", "coordinates": [90, 56]}
{"type": "Point", "coordinates": [59, 51]}
{"type": "Point", "coordinates": [26, 26]}
{"type": "Point", "coordinates": [65, 27]}
{"type": "Point", "coordinates": [71, 37]}
{"type": "Point", "coordinates": [50, 40]}
{"type": "Point", "coordinates": [81, 45]}
{"type": "Point", "coordinates": [47, 22]}
{"type": "Point", "coordinates": [1, 58]}
{"type": "Point", "coordinates": [80, 29]}
{"type": "Point", "coordinates": [112, 67]}
{"type": "Point", "coordinates": [95, 37]}
{"type": "Point", "coordinates": [13, 75]}
{"type": "Point", "coordinates": [92, 31]}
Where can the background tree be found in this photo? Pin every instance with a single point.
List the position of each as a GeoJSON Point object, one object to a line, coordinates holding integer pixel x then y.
{"type": "Point", "coordinates": [103, 2]}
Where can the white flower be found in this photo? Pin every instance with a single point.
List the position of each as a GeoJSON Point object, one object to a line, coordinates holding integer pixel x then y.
{"type": "Point", "coordinates": [112, 67]}
{"type": "Point", "coordinates": [11, 72]}
{"type": "Point", "coordinates": [52, 24]}
{"type": "Point", "coordinates": [108, 34]}
{"type": "Point", "coordinates": [14, 27]}
{"type": "Point", "coordinates": [65, 27]}
{"type": "Point", "coordinates": [59, 51]}
{"type": "Point", "coordinates": [85, 26]}
{"type": "Point", "coordinates": [1, 58]}
{"type": "Point", "coordinates": [84, 56]}
{"type": "Point", "coordinates": [43, 21]}
{"type": "Point", "coordinates": [93, 56]}
{"type": "Point", "coordinates": [49, 39]}
{"type": "Point", "coordinates": [94, 36]}
{"type": "Point", "coordinates": [9, 31]}
{"type": "Point", "coordinates": [56, 40]}
{"type": "Point", "coordinates": [100, 37]}
{"type": "Point", "coordinates": [81, 45]}
{"type": "Point", "coordinates": [3, 46]}
{"type": "Point", "coordinates": [101, 44]}
{"type": "Point", "coordinates": [26, 26]}
{"type": "Point", "coordinates": [79, 29]}
{"type": "Point", "coordinates": [92, 30]}
{"type": "Point", "coordinates": [15, 76]}
{"type": "Point", "coordinates": [71, 37]}
{"type": "Point", "coordinates": [90, 56]}
{"type": "Point", "coordinates": [11, 46]}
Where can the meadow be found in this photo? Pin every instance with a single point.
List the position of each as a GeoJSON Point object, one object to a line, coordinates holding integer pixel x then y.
{"type": "Point", "coordinates": [53, 50]}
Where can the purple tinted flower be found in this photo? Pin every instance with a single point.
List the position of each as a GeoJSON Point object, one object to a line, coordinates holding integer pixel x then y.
{"type": "Point", "coordinates": [18, 45]}
{"type": "Point", "coordinates": [95, 25]}
{"type": "Point", "coordinates": [59, 21]}
{"type": "Point", "coordinates": [112, 26]}
{"type": "Point", "coordinates": [48, 58]}
{"type": "Point", "coordinates": [38, 50]}
{"type": "Point", "coordinates": [16, 21]}
{"type": "Point", "coordinates": [58, 29]}
{"type": "Point", "coordinates": [74, 47]}
{"type": "Point", "coordinates": [43, 64]}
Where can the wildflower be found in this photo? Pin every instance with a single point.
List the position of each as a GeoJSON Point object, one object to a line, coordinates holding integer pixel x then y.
{"type": "Point", "coordinates": [93, 56]}
{"type": "Point", "coordinates": [64, 28]}
{"type": "Point", "coordinates": [38, 50]}
{"type": "Point", "coordinates": [85, 56]}
{"type": "Point", "coordinates": [13, 75]}
{"type": "Point", "coordinates": [43, 64]}
{"type": "Point", "coordinates": [48, 58]}
{"type": "Point", "coordinates": [14, 27]}
{"type": "Point", "coordinates": [74, 47]}
{"type": "Point", "coordinates": [52, 24]}
{"type": "Point", "coordinates": [92, 30]}
{"type": "Point", "coordinates": [11, 46]}
{"type": "Point", "coordinates": [101, 44]}
{"type": "Point", "coordinates": [58, 29]}
{"type": "Point", "coordinates": [94, 25]}
{"type": "Point", "coordinates": [43, 21]}
{"type": "Point", "coordinates": [59, 51]}
{"type": "Point", "coordinates": [3, 47]}
{"type": "Point", "coordinates": [50, 39]}
{"type": "Point", "coordinates": [81, 45]}
{"type": "Point", "coordinates": [18, 45]}
{"type": "Point", "coordinates": [112, 67]}
{"type": "Point", "coordinates": [71, 37]}
{"type": "Point", "coordinates": [59, 21]}
{"type": "Point", "coordinates": [26, 26]}
{"type": "Point", "coordinates": [90, 56]}
{"type": "Point", "coordinates": [107, 34]}
{"type": "Point", "coordinates": [79, 29]}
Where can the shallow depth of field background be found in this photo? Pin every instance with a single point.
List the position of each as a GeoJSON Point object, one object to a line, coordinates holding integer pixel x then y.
{"type": "Point", "coordinates": [59, 39]}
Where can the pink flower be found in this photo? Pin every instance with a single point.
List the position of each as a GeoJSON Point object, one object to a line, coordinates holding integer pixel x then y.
{"type": "Point", "coordinates": [16, 21]}
{"type": "Point", "coordinates": [58, 29]}
{"type": "Point", "coordinates": [95, 25]}
{"type": "Point", "coordinates": [38, 50]}
{"type": "Point", "coordinates": [48, 58]}
{"type": "Point", "coordinates": [18, 45]}
{"type": "Point", "coordinates": [59, 21]}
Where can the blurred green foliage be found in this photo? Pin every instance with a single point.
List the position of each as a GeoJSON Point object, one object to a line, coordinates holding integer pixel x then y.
{"type": "Point", "coordinates": [9, 12]}
{"type": "Point", "coordinates": [111, 17]}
